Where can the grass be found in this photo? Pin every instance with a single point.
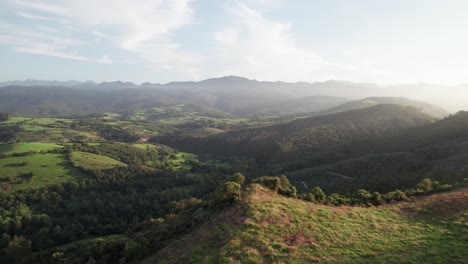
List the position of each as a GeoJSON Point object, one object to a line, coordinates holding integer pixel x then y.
{"type": "Point", "coordinates": [55, 135]}
{"type": "Point", "coordinates": [29, 128]}
{"type": "Point", "coordinates": [93, 162]}
{"type": "Point", "coordinates": [26, 147]}
{"type": "Point", "coordinates": [180, 162]}
{"type": "Point", "coordinates": [47, 169]}
{"type": "Point", "coordinates": [143, 146]}
{"type": "Point", "coordinates": [16, 119]}
{"type": "Point", "coordinates": [267, 228]}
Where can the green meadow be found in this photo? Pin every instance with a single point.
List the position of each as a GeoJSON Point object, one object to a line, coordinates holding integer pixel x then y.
{"type": "Point", "coordinates": [93, 162]}
{"type": "Point", "coordinates": [46, 169]}
{"type": "Point", "coordinates": [26, 147]}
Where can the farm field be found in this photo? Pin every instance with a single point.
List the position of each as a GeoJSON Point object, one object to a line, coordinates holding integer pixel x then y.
{"type": "Point", "coordinates": [92, 161]}
{"type": "Point", "coordinates": [26, 147]}
{"type": "Point", "coordinates": [46, 169]}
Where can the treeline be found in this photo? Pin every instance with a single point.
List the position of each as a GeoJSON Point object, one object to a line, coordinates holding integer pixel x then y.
{"type": "Point", "coordinates": [157, 156]}
{"type": "Point", "coordinates": [359, 197]}
{"type": "Point", "coordinates": [109, 133]}
{"type": "Point", "coordinates": [4, 117]}
{"type": "Point", "coordinates": [9, 132]}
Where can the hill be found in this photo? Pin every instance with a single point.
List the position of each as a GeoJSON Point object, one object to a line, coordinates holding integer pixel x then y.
{"type": "Point", "coordinates": [307, 134]}
{"type": "Point", "coordinates": [436, 150]}
{"type": "Point", "coordinates": [265, 227]}
{"type": "Point", "coordinates": [233, 95]}
{"type": "Point", "coordinates": [300, 106]}
{"type": "Point", "coordinates": [426, 108]}
{"type": "Point", "coordinates": [241, 96]}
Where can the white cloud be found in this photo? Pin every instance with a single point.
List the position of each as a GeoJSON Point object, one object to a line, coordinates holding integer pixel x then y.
{"type": "Point", "coordinates": [143, 27]}
{"type": "Point", "coordinates": [256, 46]}
{"type": "Point", "coordinates": [30, 16]}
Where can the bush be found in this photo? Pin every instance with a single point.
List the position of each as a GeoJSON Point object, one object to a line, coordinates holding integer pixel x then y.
{"type": "Point", "coordinates": [237, 178]}
{"type": "Point", "coordinates": [228, 193]}
{"type": "Point", "coordinates": [334, 199]}
{"type": "Point", "coordinates": [319, 194]}
{"type": "Point", "coordinates": [376, 199]}
{"type": "Point", "coordinates": [425, 186]}
{"type": "Point", "coordinates": [272, 183]}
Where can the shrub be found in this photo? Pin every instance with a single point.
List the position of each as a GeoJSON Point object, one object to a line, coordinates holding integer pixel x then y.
{"type": "Point", "coordinates": [319, 194]}
{"type": "Point", "coordinates": [228, 193]}
{"type": "Point", "coordinates": [272, 183]}
{"type": "Point", "coordinates": [237, 178]}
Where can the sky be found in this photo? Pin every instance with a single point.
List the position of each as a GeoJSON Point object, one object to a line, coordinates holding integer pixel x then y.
{"type": "Point", "coordinates": [378, 41]}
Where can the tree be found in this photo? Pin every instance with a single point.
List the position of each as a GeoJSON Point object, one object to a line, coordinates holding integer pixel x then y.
{"type": "Point", "coordinates": [334, 199]}
{"type": "Point", "coordinates": [228, 193]}
{"type": "Point", "coordinates": [362, 196]}
{"type": "Point", "coordinates": [272, 183]}
{"type": "Point", "coordinates": [425, 186]}
{"type": "Point", "coordinates": [319, 194]}
{"type": "Point", "coordinates": [18, 250]}
{"type": "Point", "coordinates": [4, 116]}
{"type": "Point", "coordinates": [237, 178]}
{"type": "Point", "coordinates": [376, 199]}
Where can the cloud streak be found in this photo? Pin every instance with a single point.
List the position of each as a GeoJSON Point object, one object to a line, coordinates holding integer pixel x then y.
{"type": "Point", "coordinates": [141, 27]}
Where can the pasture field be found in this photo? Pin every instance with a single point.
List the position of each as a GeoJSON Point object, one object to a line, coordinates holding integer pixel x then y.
{"type": "Point", "coordinates": [15, 119]}
{"type": "Point", "coordinates": [143, 146]}
{"type": "Point", "coordinates": [92, 161]}
{"type": "Point", "coordinates": [30, 128]}
{"type": "Point", "coordinates": [46, 169]}
{"type": "Point", "coordinates": [26, 147]}
{"type": "Point", "coordinates": [44, 134]}
{"type": "Point", "coordinates": [180, 162]}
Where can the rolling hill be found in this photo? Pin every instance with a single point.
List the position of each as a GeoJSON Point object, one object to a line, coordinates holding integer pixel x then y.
{"type": "Point", "coordinates": [265, 227]}
{"type": "Point", "coordinates": [426, 108]}
{"type": "Point", "coordinates": [438, 150]}
{"type": "Point", "coordinates": [234, 95]}
{"type": "Point", "coordinates": [300, 106]}
{"type": "Point", "coordinates": [307, 134]}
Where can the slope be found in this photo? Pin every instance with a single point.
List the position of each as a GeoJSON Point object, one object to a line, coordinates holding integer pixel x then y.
{"type": "Point", "coordinates": [267, 228]}
{"type": "Point", "coordinates": [438, 150]}
{"type": "Point", "coordinates": [424, 107]}
{"type": "Point", "coordinates": [288, 139]}
{"type": "Point", "coordinates": [299, 106]}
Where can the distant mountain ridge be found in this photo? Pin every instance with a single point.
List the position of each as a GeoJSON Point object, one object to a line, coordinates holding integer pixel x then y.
{"type": "Point", "coordinates": [265, 93]}
{"type": "Point", "coordinates": [234, 95]}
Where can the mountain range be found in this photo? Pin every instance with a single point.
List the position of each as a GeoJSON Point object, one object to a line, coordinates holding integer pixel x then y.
{"type": "Point", "coordinates": [231, 95]}
{"type": "Point", "coordinates": [265, 93]}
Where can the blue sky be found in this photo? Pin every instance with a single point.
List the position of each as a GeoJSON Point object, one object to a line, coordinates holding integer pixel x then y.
{"type": "Point", "coordinates": [381, 41]}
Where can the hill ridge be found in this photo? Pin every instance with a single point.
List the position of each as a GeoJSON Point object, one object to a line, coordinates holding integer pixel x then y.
{"type": "Point", "coordinates": [265, 227]}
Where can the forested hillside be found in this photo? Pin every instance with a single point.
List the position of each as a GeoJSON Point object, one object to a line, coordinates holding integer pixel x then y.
{"type": "Point", "coordinates": [424, 107]}
{"type": "Point", "coordinates": [307, 134]}
{"type": "Point", "coordinates": [437, 150]}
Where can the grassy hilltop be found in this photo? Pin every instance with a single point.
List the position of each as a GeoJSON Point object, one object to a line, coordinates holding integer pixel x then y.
{"type": "Point", "coordinates": [265, 227]}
